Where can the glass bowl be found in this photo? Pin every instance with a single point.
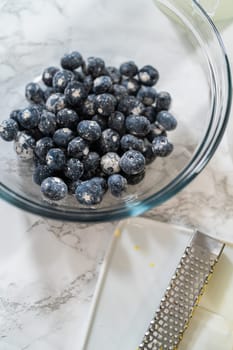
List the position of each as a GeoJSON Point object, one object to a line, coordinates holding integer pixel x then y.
{"type": "Point", "coordinates": [175, 36]}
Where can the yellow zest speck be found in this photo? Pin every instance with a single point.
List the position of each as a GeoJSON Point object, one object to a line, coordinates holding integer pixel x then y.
{"type": "Point", "coordinates": [117, 233]}
{"type": "Point", "coordinates": [136, 247]}
{"type": "Point", "coordinates": [152, 264]}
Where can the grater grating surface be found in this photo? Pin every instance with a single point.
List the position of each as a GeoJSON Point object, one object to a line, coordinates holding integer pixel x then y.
{"type": "Point", "coordinates": [176, 307]}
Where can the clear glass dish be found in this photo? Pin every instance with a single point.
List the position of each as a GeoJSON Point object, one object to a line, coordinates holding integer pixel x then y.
{"type": "Point", "coordinates": [175, 36]}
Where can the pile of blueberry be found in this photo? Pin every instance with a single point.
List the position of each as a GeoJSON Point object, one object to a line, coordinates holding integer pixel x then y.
{"type": "Point", "coordinates": [91, 128]}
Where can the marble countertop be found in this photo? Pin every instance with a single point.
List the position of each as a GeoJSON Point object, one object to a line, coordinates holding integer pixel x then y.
{"type": "Point", "coordinates": [49, 269]}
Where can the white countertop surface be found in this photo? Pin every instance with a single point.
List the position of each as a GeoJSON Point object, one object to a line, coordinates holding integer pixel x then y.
{"type": "Point", "coordinates": [49, 269]}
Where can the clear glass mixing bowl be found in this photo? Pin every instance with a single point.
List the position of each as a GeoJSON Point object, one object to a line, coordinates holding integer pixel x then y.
{"type": "Point", "coordinates": [176, 36]}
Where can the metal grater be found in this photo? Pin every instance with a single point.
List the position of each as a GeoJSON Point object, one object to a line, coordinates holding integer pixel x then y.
{"type": "Point", "coordinates": [176, 307]}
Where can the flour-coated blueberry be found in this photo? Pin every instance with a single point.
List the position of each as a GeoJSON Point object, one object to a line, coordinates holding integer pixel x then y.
{"type": "Point", "coordinates": [55, 102]}
{"type": "Point", "coordinates": [63, 136]}
{"type": "Point", "coordinates": [110, 163]}
{"type": "Point", "coordinates": [161, 146]}
{"type": "Point", "coordinates": [8, 129]}
{"type": "Point", "coordinates": [74, 169]}
{"type": "Point", "coordinates": [24, 145]}
{"type": "Point", "coordinates": [43, 146]}
{"type": "Point", "coordinates": [148, 75]}
{"type": "Point", "coordinates": [29, 117]}
{"type": "Point", "coordinates": [61, 79]}
{"type": "Point", "coordinates": [89, 193]}
{"type": "Point", "coordinates": [67, 118]}
{"type": "Point", "coordinates": [56, 159]}
{"type": "Point", "coordinates": [78, 148]}
{"type": "Point", "coordinates": [137, 125]}
{"type": "Point", "coordinates": [109, 140]}
{"type": "Point", "coordinates": [54, 188]}
{"type": "Point", "coordinates": [47, 123]}
{"type": "Point", "coordinates": [117, 184]}
{"type": "Point", "coordinates": [132, 162]}
{"type": "Point", "coordinates": [34, 93]}
{"type": "Point", "coordinates": [89, 130]}
{"type": "Point", "coordinates": [72, 60]}
{"type": "Point", "coordinates": [48, 74]}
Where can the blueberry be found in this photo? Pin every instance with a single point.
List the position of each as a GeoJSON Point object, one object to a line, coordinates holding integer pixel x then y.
{"type": "Point", "coordinates": [63, 136]}
{"type": "Point", "coordinates": [132, 86]}
{"type": "Point", "coordinates": [74, 169]}
{"type": "Point", "coordinates": [75, 93]}
{"type": "Point", "coordinates": [54, 188]}
{"type": "Point", "coordinates": [110, 163]}
{"type": "Point", "coordinates": [24, 146]}
{"type": "Point", "coordinates": [39, 107]}
{"type": "Point", "coordinates": [55, 159]}
{"type": "Point", "coordinates": [101, 120]}
{"type": "Point", "coordinates": [48, 92]}
{"type": "Point", "coordinates": [150, 113]}
{"type": "Point", "coordinates": [116, 121]}
{"type": "Point", "coordinates": [35, 133]}
{"type": "Point", "coordinates": [88, 106]}
{"type": "Point", "coordinates": [48, 74]}
{"type": "Point", "coordinates": [147, 95]}
{"type": "Point", "coordinates": [130, 105]}
{"type": "Point", "coordinates": [135, 179]}
{"type": "Point", "coordinates": [104, 104]}
{"type": "Point", "coordinates": [100, 181]}
{"type": "Point", "coordinates": [155, 131]}
{"type": "Point", "coordinates": [67, 118]}
{"type": "Point", "coordinates": [110, 140]}
{"type": "Point", "coordinates": [15, 115]}
{"type": "Point", "coordinates": [95, 66]}
{"type": "Point", "coordinates": [128, 69]}
{"type": "Point", "coordinates": [47, 123]}
{"type": "Point", "coordinates": [89, 193]}
{"type": "Point", "coordinates": [78, 148]}
{"type": "Point", "coordinates": [114, 74]}
{"type": "Point", "coordinates": [89, 130]}
{"type": "Point", "coordinates": [61, 79]}
{"type": "Point", "coordinates": [102, 84]}
{"type": "Point", "coordinates": [148, 154]}
{"type": "Point", "coordinates": [42, 147]}
{"type": "Point", "coordinates": [72, 185]}
{"type": "Point", "coordinates": [37, 161]}
{"type": "Point", "coordinates": [8, 129]}
{"type": "Point", "coordinates": [163, 101]}
{"type": "Point", "coordinates": [132, 162]}
{"type": "Point", "coordinates": [119, 91]}
{"type": "Point", "coordinates": [91, 166]}
{"type": "Point", "coordinates": [29, 117]}
{"type": "Point", "coordinates": [34, 93]}
{"type": "Point", "coordinates": [137, 125]}
{"type": "Point", "coordinates": [41, 172]}
{"type": "Point", "coordinates": [91, 162]}
{"type": "Point", "coordinates": [88, 83]}
{"type": "Point", "coordinates": [72, 60]}
{"type": "Point", "coordinates": [161, 146]}
{"type": "Point", "coordinates": [166, 120]}
{"type": "Point", "coordinates": [117, 184]}
{"type": "Point", "coordinates": [129, 142]}
{"type": "Point", "coordinates": [148, 75]}
{"type": "Point", "coordinates": [79, 76]}
{"type": "Point", "coordinates": [55, 102]}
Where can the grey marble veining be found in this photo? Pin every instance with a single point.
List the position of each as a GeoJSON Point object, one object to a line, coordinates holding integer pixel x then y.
{"type": "Point", "coordinates": [47, 277]}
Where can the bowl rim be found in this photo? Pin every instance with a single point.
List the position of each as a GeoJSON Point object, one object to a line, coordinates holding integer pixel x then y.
{"type": "Point", "coordinates": [190, 171]}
